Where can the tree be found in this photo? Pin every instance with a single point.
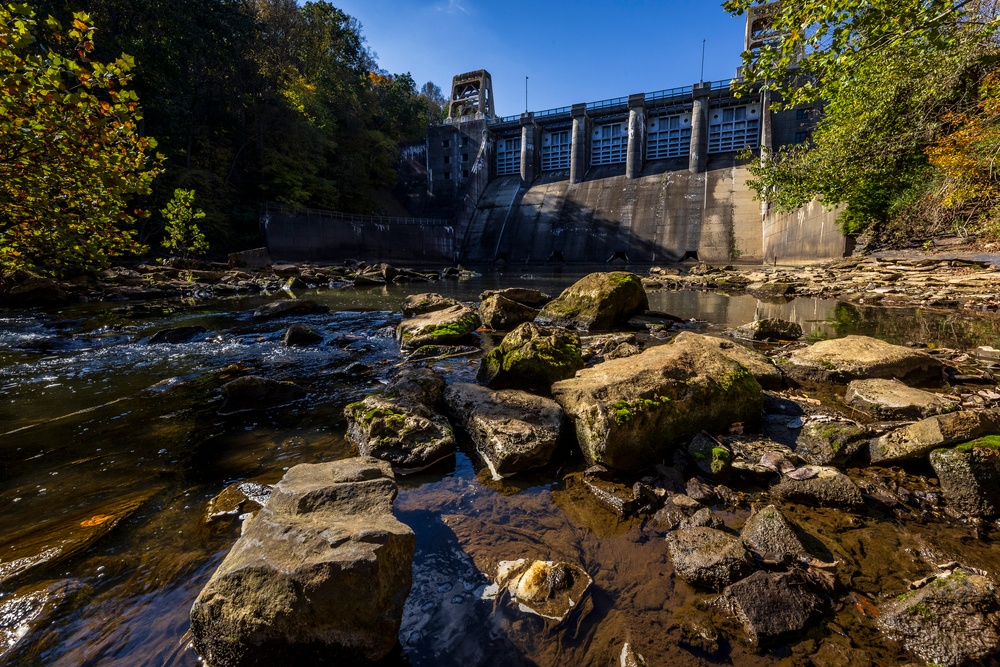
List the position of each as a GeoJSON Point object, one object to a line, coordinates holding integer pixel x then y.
{"type": "Point", "coordinates": [72, 159]}
{"type": "Point", "coordinates": [889, 75]}
{"type": "Point", "coordinates": [183, 237]}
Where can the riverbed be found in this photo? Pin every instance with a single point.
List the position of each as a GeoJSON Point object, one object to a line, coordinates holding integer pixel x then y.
{"type": "Point", "coordinates": [111, 448]}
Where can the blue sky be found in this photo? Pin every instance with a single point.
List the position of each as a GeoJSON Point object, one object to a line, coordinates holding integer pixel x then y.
{"type": "Point", "coordinates": [571, 51]}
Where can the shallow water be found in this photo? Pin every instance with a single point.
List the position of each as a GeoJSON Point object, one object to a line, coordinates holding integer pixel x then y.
{"type": "Point", "coordinates": [110, 449]}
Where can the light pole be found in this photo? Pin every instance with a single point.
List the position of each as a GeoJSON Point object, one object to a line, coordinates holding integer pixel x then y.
{"type": "Point", "coordinates": [525, 94]}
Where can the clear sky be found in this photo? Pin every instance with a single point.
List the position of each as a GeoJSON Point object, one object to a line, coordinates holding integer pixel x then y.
{"type": "Point", "coordinates": [571, 51]}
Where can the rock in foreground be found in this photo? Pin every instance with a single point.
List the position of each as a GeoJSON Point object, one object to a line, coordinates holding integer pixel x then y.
{"type": "Point", "coordinates": [770, 605]}
{"type": "Point", "coordinates": [597, 302]}
{"type": "Point", "coordinates": [708, 558]}
{"type": "Point", "coordinates": [970, 476]}
{"type": "Point", "coordinates": [319, 576]}
{"type": "Point", "coordinates": [918, 440]}
{"type": "Point", "coordinates": [628, 413]}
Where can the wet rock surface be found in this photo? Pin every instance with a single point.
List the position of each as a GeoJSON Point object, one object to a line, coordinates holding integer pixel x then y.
{"type": "Point", "coordinates": [917, 440]}
{"type": "Point", "coordinates": [970, 476]}
{"type": "Point", "coordinates": [771, 606]}
{"type": "Point", "coordinates": [437, 327]}
{"type": "Point", "coordinates": [321, 572]}
{"type": "Point", "coordinates": [255, 392]}
{"type": "Point", "coordinates": [708, 558]}
{"type": "Point", "coordinates": [551, 590]}
{"type": "Point", "coordinates": [503, 314]}
{"type": "Point", "coordinates": [820, 486]}
{"type": "Point", "coordinates": [400, 425]}
{"type": "Point", "coordinates": [769, 533]}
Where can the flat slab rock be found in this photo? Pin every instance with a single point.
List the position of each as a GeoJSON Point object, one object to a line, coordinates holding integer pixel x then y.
{"type": "Point", "coordinates": [891, 399]}
{"type": "Point", "coordinates": [319, 575]}
{"type": "Point", "coordinates": [918, 440]}
{"type": "Point", "coordinates": [953, 620]}
{"type": "Point", "coordinates": [513, 430]}
{"type": "Point", "coordinates": [860, 357]}
{"type": "Point", "coordinates": [437, 327]}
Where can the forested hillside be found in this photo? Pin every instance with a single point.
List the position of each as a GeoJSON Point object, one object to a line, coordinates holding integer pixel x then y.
{"type": "Point", "coordinates": [246, 101]}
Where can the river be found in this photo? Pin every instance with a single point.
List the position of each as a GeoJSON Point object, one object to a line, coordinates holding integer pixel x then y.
{"type": "Point", "coordinates": [111, 448]}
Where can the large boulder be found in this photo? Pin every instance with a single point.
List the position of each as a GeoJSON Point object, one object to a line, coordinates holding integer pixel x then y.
{"type": "Point", "coordinates": [512, 430]}
{"type": "Point", "coordinates": [891, 399]}
{"type": "Point", "coordinates": [708, 558]}
{"type": "Point", "coordinates": [771, 606]}
{"type": "Point", "coordinates": [918, 440]}
{"type": "Point", "coordinates": [819, 486]}
{"type": "Point", "coordinates": [628, 413]}
{"type": "Point", "coordinates": [970, 476]}
{"type": "Point", "coordinates": [532, 358]}
{"type": "Point", "coordinates": [597, 302]}
{"type": "Point", "coordinates": [437, 327]}
{"type": "Point", "coordinates": [502, 314]}
{"type": "Point", "coordinates": [860, 357]}
{"type": "Point", "coordinates": [954, 620]}
{"type": "Point", "coordinates": [765, 372]}
{"type": "Point", "coordinates": [319, 575]}
{"type": "Point", "coordinates": [400, 425]}
{"type": "Point", "coordinates": [258, 258]}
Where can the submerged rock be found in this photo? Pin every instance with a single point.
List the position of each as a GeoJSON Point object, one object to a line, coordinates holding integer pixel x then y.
{"type": "Point", "coordinates": [952, 621]}
{"type": "Point", "coordinates": [708, 558]}
{"type": "Point", "coordinates": [891, 399]}
{"type": "Point", "coordinates": [400, 424]}
{"type": "Point", "coordinates": [177, 335]}
{"type": "Point", "coordinates": [288, 307]}
{"type": "Point", "coordinates": [918, 440]}
{"type": "Point", "coordinates": [238, 498]}
{"type": "Point", "coordinates": [301, 335]}
{"type": "Point", "coordinates": [628, 413]}
{"type": "Point", "coordinates": [531, 358]}
{"type": "Point", "coordinates": [501, 314]}
{"type": "Point", "coordinates": [970, 476]}
{"type": "Point", "coordinates": [320, 574]}
{"type": "Point", "coordinates": [513, 431]}
{"type": "Point", "coordinates": [820, 486]}
{"type": "Point", "coordinates": [597, 302]}
{"type": "Point", "coordinates": [546, 588]}
{"type": "Point", "coordinates": [771, 606]}
{"type": "Point", "coordinates": [860, 357]}
{"type": "Point", "coordinates": [254, 392]}
{"type": "Point", "coordinates": [437, 327]}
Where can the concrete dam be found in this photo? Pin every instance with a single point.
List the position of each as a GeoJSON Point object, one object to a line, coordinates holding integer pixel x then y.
{"type": "Point", "coordinates": [647, 178]}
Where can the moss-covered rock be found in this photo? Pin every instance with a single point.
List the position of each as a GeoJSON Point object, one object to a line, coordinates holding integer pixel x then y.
{"type": "Point", "coordinates": [954, 620]}
{"type": "Point", "coordinates": [629, 413]}
{"type": "Point", "coordinates": [532, 358]}
{"type": "Point", "coordinates": [427, 302]}
{"type": "Point", "coordinates": [400, 425]}
{"type": "Point", "coordinates": [970, 476]}
{"type": "Point", "coordinates": [918, 440]}
{"type": "Point", "coordinates": [437, 327]}
{"type": "Point", "coordinates": [826, 443]}
{"type": "Point", "coordinates": [711, 456]}
{"type": "Point", "coordinates": [597, 302]}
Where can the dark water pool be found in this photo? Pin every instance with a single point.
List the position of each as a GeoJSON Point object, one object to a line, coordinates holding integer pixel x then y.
{"type": "Point", "coordinates": [110, 449]}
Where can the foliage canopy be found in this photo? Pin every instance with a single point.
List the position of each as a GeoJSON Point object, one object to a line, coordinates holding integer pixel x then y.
{"type": "Point", "coordinates": [72, 159]}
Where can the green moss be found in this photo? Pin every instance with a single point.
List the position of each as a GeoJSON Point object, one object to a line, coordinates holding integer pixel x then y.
{"type": "Point", "coordinates": [721, 458]}
{"type": "Point", "coordinates": [826, 364]}
{"type": "Point", "coordinates": [626, 411]}
{"type": "Point", "coordinates": [921, 610]}
{"type": "Point", "coordinates": [987, 442]}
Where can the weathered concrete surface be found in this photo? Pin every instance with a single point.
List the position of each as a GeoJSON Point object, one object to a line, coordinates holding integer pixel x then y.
{"type": "Point", "coordinates": [659, 216]}
{"type": "Point", "coordinates": [807, 233]}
